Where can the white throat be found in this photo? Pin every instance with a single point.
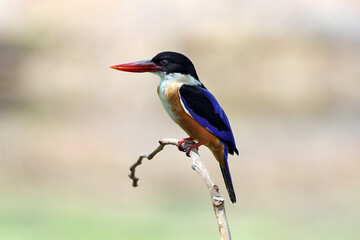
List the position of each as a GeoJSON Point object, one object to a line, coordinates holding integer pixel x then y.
{"type": "Point", "coordinates": [178, 77]}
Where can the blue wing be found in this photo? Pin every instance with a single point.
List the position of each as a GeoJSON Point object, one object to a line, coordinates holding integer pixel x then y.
{"type": "Point", "coordinates": [205, 109]}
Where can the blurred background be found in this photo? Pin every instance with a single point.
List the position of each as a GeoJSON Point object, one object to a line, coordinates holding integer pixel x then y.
{"type": "Point", "coordinates": [287, 74]}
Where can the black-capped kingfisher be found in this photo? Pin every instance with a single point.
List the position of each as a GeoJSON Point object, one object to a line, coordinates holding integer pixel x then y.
{"type": "Point", "coordinates": [191, 106]}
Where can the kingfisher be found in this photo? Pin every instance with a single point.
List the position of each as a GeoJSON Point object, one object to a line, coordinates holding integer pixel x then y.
{"type": "Point", "coordinates": [191, 106]}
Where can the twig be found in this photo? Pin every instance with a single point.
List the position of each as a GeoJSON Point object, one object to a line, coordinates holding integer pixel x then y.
{"type": "Point", "coordinates": [163, 142]}
{"type": "Point", "coordinates": [198, 166]}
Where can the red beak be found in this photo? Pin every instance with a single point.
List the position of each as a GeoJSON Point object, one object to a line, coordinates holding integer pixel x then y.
{"type": "Point", "coordinates": [139, 66]}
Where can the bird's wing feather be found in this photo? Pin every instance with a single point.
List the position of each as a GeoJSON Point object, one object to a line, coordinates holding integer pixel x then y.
{"type": "Point", "coordinates": [205, 109]}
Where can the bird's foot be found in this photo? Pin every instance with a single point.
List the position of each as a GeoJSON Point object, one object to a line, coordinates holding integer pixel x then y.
{"type": "Point", "coordinates": [196, 146]}
{"type": "Point", "coordinates": [180, 142]}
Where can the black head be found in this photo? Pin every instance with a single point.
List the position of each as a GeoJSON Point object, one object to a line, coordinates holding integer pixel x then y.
{"type": "Point", "coordinates": [173, 62]}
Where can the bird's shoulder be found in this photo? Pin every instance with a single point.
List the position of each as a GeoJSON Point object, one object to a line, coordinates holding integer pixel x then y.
{"type": "Point", "coordinates": [199, 101]}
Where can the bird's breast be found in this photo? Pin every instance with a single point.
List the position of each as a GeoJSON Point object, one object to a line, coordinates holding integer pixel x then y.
{"type": "Point", "coordinates": [170, 99]}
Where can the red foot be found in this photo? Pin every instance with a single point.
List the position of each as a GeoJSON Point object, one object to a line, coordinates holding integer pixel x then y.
{"type": "Point", "coordinates": [180, 142]}
{"type": "Point", "coordinates": [189, 148]}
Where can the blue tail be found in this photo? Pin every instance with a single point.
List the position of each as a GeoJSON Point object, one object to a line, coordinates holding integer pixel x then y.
{"type": "Point", "coordinates": [227, 177]}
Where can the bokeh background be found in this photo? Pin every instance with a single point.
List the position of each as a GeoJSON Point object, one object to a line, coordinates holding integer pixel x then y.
{"type": "Point", "coordinates": [286, 72]}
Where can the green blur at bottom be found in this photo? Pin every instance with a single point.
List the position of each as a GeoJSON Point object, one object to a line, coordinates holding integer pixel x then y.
{"type": "Point", "coordinates": [54, 218]}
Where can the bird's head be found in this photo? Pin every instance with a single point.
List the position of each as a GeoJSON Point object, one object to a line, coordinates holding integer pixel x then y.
{"type": "Point", "coordinates": [162, 64]}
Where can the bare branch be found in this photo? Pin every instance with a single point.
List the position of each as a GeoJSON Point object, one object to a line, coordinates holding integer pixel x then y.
{"type": "Point", "coordinates": [163, 142]}
{"type": "Point", "coordinates": [198, 166]}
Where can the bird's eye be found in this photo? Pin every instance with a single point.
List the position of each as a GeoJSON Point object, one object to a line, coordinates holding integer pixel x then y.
{"type": "Point", "coordinates": [164, 62]}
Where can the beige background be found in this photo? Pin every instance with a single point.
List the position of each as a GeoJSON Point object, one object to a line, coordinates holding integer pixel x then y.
{"type": "Point", "coordinates": [286, 72]}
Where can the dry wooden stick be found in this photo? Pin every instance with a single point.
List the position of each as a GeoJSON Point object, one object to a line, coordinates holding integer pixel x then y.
{"type": "Point", "coordinates": [198, 166]}
{"type": "Point", "coordinates": [163, 142]}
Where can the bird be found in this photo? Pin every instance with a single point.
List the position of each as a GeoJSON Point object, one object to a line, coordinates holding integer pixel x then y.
{"type": "Point", "coordinates": [190, 104]}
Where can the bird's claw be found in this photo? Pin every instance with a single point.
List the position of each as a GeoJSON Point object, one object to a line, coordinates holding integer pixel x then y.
{"type": "Point", "coordinates": [180, 142]}
{"type": "Point", "coordinates": [189, 148]}
{"type": "Point", "coordinates": [193, 146]}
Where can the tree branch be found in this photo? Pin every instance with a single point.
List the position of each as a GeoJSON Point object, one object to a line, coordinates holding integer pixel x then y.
{"type": "Point", "coordinates": [198, 166]}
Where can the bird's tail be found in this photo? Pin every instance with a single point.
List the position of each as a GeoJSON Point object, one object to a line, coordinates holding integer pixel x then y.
{"type": "Point", "coordinates": [227, 177]}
